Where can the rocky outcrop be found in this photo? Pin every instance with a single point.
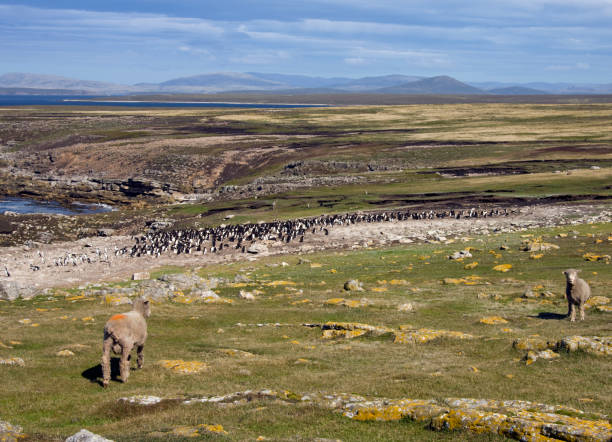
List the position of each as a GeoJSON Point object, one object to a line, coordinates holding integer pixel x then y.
{"type": "Point", "coordinates": [515, 419]}
{"type": "Point", "coordinates": [86, 436]}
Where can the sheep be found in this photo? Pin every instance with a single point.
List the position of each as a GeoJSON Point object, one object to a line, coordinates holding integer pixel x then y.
{"type": "Point", "coordinates": [121, 333]}
{"type": "Point", "coordinates": [577, 292]}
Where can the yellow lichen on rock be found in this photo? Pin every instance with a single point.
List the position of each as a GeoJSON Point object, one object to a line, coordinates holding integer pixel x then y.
{"type": "Point", "coordinates": [471, 265]}
{"type": "Point", "coordinates": [492, 320]}
{"type": "Point", "coordinates": [424, 335]}
{"type": "Point", "coordinates": [595, 301]}
{"type": "Point", "coordinates": [595, 257]}
{"type": "Point", "coordinates": [185, 367]}
{"type": "Point", "coordinates": [536, 256]}
{"type": "Point", "coordinates": [198, 431]}
{"type": "Point", "coordinates": [530, 344]}
{"type": "Point", "coordinates": [502, 268]}
{"type": "Point", "coordinates": [348, 334]}
{"type": "Point", "coordinates": [592, 344]}
{"type": "Point", "coordinates": [352, 303]}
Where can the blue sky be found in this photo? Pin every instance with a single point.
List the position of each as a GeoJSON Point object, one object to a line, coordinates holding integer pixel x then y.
{"type": "Point", "coordinates": [153, 40]}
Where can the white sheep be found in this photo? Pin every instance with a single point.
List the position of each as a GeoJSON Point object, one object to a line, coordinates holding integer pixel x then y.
{"type": "Point", "coordinates": [121, 333]}
{"type": "Point", "coordinates": [577, 292]}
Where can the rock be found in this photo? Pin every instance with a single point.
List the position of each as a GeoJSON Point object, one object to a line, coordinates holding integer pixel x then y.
{"type": "Point", "coordinates": [64, 353]}
{"type": "Point", "coordinates": [241, 278]}
{"type": "Point", "coordinates": [407, 307]}
{"type": "Point", "coordinates": [460, 255]}
{"type": "Point", "coordinates": [594, 301]}
{"type": "Point", "coordinates": [424, 335]}
{"type": "Point", "coordinates": [10, 432]}
{"type": "Point", "coordinates": [9, 290]}
{"type": "Point", "coordinates": [246, 295]}
{"type": "Point", "coordinates": [184, 367]}
{"type": "Point", "coordinates": [13, 361]}
{"type": "Point", "coordinates": [141, 400]}
{"type": "Point", "coordinates": [257, 248]}
{"type": "Point", "coordinates": [86, 436]}
{"type": "Point", "coordinates": [105, 232]}
{"type": "Point", "coordinates": [530, 344]}
{"type": "Point", "coordinates": [140, 276]}
{"type": "Point", "coordinates": [353, 285]}
{"type": "Point", "coordinates": [529, 294]}
{"type": "Point", "coordinates": [533, 356]}
{"type": "Point", "coordinates": [492, 320]}
{"type": "Point", "coordinates": [592, 344]}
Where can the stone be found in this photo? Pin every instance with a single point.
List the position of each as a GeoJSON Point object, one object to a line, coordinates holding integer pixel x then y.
{"type": "Point", "coordinates": [599, 345]}
{"type": "Point", "coordinates": [492, 320]}
{"type": "Point", "coordinates": [9, 290]}
{"type": "Point", "coordinates": [407, 307]}
{"type": "Point", "coordinates": [249, 296]}
{"type": "Point", "coordinates": [530, 344]}
{"type": "Point", "coordinates": [595, 301]}
{"type": "Point", "coordinates": [64, 353]}
{"type": "Point", "coordinates": [86, 436]}
{"type": "Point", "coordinates": [353, 285]}
{"type": "Point", "coordinates": [184, 367]}
{"type": "Point", "coordinates": [257, 248]}
{"type": "Point", "coordinates": [10, 432]}
{"type": "Point", "coordinates": [140, 276]}
{"type": "Point", "coordinates": [142, 400]}
{"type": "Point", "coordinates": [460, 255]}
{"type": "Point", "coordinates": [424, 335]}
{"type": "Point", "coordinates": [13, 361]}
{"type": "Point", "coordinates": [533, 356]}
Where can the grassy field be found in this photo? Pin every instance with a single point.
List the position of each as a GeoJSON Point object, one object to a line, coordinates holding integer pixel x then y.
{"type": "Point", "coordinates": [53, 396]}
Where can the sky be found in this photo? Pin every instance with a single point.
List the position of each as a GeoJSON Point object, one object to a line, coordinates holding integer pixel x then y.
{"type": "Point", "coordinates": [128, 42]}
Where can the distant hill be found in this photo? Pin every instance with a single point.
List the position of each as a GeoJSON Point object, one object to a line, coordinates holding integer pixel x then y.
{"type": "Point", "coordinates": [372, 83]}
{"type": "Point", "coordinates": [435, 85]}
{"type": "Point", "coordinates": [219, 81]}
{"type": "Point", "coordinates": [516, 90]}
{"type": "Point", "coordinates": [18, 80]}
{"type": "Point", "coordinates": [222, 82]}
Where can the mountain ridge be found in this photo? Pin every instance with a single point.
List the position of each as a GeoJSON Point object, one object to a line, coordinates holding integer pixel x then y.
{"type": "Point", "coordinates": [220, 82]}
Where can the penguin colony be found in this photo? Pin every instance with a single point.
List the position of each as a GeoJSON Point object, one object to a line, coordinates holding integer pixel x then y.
{"type": "Point", "coordinates": [243, 236]}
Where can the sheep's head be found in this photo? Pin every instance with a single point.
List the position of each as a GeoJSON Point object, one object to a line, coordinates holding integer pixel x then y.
{"type": "Point", "coordinates": [142, 306]}
{"type": "Point", "coordinates": [571, 275]}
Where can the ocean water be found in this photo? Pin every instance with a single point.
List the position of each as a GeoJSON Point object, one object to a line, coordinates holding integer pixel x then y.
{"type": "Point", "coordinates": [71, 100]}
{"type": "Point", "coordinates": [26, 205]}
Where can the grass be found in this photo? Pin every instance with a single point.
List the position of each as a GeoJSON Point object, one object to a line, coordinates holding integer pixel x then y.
{"type": "Point", "coordinates": [63, 400]}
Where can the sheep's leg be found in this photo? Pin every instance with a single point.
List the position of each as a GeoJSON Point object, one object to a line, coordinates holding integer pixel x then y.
{"type": "Point", "coordinates": [125, 361]}
{"type": "Point", "coordinates": [140, 349]}
{"type": "Point", "coordinates": [106, 370]}
{"type": "Point", "coordinates": [582, 312]}
{"type": "Point", "coordinates": [572, 312]}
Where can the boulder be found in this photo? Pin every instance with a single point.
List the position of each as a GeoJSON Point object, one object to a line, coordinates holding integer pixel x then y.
{"type": "Point", "coordinates": [257, 248]}
{"type": "Point", "coordinates": [86, 436]}
{"type": "Point", "coordinates": [353, 285]}
{"type": "Point", "coordinates": [460, 254]}
{"type": "Point", "coordinates": [9, 290]}
{"type": "Point", "coordinates": [140, 276]}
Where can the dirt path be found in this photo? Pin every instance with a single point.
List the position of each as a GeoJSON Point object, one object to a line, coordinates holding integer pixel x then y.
{"type": "Point", "coordinates": [22, 262]}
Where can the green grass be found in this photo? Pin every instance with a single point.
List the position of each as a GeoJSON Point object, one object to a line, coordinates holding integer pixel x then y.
{"type": "Point", "coordinates": [51, 398]}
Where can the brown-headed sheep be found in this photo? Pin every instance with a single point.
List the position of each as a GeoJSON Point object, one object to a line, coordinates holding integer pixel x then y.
{"type": "Point", "coordinates": [121, 333]}
{"type": "Point", "coordinates": [577, 292]}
